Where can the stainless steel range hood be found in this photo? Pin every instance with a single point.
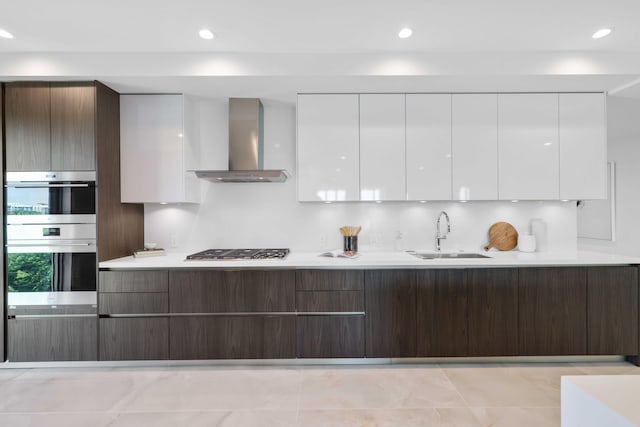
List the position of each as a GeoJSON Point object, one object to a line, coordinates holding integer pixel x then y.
{"type": "Point", "coordinates": [246, 119]}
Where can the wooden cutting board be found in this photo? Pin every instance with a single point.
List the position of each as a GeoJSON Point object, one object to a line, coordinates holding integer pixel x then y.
{"type": "Point", "coordinates": [502, 236]}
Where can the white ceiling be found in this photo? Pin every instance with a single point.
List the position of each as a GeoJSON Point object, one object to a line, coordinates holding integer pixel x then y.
{"type": "Point", "coordinates": [75, 34]}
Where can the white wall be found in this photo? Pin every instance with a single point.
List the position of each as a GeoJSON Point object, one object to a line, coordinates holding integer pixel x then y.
{"type": "Point", "coordinates": [623, 134]}
{"type": "Point", "coordinates": [268, 215]}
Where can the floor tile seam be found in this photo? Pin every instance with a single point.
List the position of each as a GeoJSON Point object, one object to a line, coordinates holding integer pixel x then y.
{"type": "Point", "coordinates": [514, 407]}
{"type": "Point", "coordinates": [454, 386]}
{"type": "Point", "coordinates": [189, 411]}
{"type": "Point", "coordinates": [299, 397]}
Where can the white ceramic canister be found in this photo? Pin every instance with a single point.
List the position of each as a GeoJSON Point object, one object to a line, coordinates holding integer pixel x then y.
{"type": "Point", "coordinates": [526, 243]}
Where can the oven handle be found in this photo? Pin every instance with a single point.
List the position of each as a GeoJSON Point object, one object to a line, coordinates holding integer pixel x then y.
{"type": "Point", "coordinates": [25, 185]}
{"type": "Point", "coordinates": [49, 316]}
{"type": "Point", "coordinates": [31, 245]}
{"type": "Point", "coordinates": [53, 247]}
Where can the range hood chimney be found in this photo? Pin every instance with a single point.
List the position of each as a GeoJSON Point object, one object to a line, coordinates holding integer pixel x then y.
{"type": "Point", "coordinates": [246, 119]}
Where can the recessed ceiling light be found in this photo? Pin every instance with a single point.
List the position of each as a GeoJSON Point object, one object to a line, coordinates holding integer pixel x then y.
{"type": "Point", "coordinates": [206, 34]}
{"type": "Point", "coordinates": [5, 34]}
{"type": "Point", "coordinates": [405, 33]}
{"type": "Point", "coordinates": [602, 32]}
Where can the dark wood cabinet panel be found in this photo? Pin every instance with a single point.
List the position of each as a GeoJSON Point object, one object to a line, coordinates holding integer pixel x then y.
{"type": "Point", "coordinates": [232, 337]}
{"type": "Point", "coordinates": [134, 338]}
{"type": "Point", "coordinates": [493, 311]}
{"type": "Point", "coordinates": [73, 140]}
{"type": "Point", "coordinates": [442, 328]}
{"type": "Point", "coordinates": [330, 280]}
{"type": "Point", "coordinates": [328, 301]}
{"type": "Point", "coordinates": [612, 310]}
{"type": "Point", "coordinates": [120, 225]}
{"type": "Point", "coordinates": [134, 281]}
{"type": "Point", "coordinates": [330, 336]}
{"type": "Point", "coordinates": [231, 291]}
{"type": "Point", "coordinates": [52, 339]}
{"type": "Point", "coordinates": [28, 126]}
{"type": "Point", "coordinates": [390, 305]}
{"type": "Point", "coordinates": [552, 311]}
{"type": "Point", "coordinates": [2, 288]}
{"type": "Point", "coordinates": [133, 303]}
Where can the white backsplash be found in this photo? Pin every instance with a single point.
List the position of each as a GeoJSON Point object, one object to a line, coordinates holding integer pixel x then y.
{"type": "Point", "coordinates": [268, 215]}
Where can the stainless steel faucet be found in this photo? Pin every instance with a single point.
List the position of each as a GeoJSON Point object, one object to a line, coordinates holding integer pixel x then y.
{"type": "Point", "coordinates": [439, 234]}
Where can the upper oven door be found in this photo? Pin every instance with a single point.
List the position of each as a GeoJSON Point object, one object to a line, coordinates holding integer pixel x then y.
{"type": "Point", "coordinates": [50, 197]}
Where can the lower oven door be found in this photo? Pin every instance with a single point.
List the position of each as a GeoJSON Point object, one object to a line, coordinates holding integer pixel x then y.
{"type": "Point", "coordinates": [57, 274]}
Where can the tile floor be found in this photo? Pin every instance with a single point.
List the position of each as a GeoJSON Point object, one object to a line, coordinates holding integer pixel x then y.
{"type": "Point", "coordinates": [521, 394]}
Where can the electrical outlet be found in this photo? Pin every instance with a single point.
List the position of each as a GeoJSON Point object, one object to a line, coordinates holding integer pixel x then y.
{"type": "Point", "coordinates": [173, 241]}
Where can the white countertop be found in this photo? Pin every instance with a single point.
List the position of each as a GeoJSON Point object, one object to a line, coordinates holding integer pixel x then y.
{"type": "Point", "coordinates": [379, 260]}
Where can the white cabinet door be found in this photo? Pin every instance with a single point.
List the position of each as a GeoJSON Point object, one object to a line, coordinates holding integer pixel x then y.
{"type": "Point", "coordinates": [328, 135]}
{"type": "Point", "coordinates": [152, 155]}
{"type": "Point", "coordinates": [583, 146]}
{"type": "Point", "coordinates": [382, 147]}
{"type": "Point", "coordinates": [475, 146]}
{"type": "Point", "coordinates": [428, 133]}
{"type": "Point", "coordinates": [528, 153]}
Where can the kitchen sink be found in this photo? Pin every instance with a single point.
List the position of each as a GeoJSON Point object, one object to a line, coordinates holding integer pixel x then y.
{"type": "Point", "coordinates": [446, 255]}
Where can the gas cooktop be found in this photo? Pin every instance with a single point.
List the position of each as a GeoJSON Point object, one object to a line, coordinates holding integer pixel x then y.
{"type": "Point", "coordinates": [231, 254]}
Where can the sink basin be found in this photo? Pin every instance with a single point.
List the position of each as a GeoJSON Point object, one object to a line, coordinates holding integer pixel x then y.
{"type": "Point", "coordinates": [446, 255]}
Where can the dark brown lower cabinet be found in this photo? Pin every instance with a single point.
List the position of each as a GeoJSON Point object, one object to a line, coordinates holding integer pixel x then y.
{"type": "Point", "coordinates": [612, 310]}
{"type": "Point", "coordinates": [232, 337]}
{"type": "Point", "coordinates": [552, 311]}
{"type": "Point", "coordinates": [442, 328]}
{"type": "Point", "coordinates": [493, 311]}
{"type": "Point", "coordinates": [52, 339]}
{"type": "Point", "coordinates": [390, 302]}
{"type": "Point", "coordinates": [330, 336]}
{"type": "Point", "coordinates": [139, 338]}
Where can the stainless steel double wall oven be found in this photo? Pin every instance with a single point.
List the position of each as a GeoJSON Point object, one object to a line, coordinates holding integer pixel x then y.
{"type": "Point", "coordinates": [51, 242]}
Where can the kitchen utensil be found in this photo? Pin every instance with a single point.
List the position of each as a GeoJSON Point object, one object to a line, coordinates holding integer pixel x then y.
{"type": "Point", "coordinates": [350, 239]}
{"type": "Point", "coordinates": [349, 230]}
{"type": "Point", "coordinates": [502, 236]}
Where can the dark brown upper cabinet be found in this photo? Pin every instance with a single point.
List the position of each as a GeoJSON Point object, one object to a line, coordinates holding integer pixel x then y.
{"type": "Point", "coordinates": [50, 126]}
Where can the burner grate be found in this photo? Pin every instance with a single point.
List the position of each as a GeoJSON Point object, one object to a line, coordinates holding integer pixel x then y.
{"type": "Point", "coordinates": [239, 254]}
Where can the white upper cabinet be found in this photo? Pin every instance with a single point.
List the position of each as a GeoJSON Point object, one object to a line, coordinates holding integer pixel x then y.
{"type": "Point", "coordinates": [528, 152]}
{"type": "Point", "coordinates": [155, 150]}
{"type": "Point", "coordinates": [428, 134]}
{"type": "Point", "coordinates": [382, 147]}
{"type": "Point", "coordinates": [583, 146]}
{"type": "Point", "coordinates": [475, 146]}
{"type": "Point", "coordinates": [328, 144]}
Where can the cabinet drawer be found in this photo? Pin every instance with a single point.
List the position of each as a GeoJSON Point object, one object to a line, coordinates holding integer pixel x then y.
{"type": "Point", "coordinates": [133, 303]}
{"type": "Point", "coordinates": [232, 337]}
{"type": "Point", "coordinates": [330, 301]}
{"type": "Point", "coordinates": [330, 280]}
{"type": "Point", "coordinates": [232, 291]}
{"type": "Point", "coordinates": [330, 336]}
{"type": "Point", "coordinates": [52, 339]}
{"type": "Point", "coordinates": [134, 281]}
{"type": "Point", "coordinates": [134, 339]}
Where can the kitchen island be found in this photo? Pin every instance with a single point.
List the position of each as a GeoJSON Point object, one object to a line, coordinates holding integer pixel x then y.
{"type": "Point", "coordinates": [380, 260]}
{"type": "Point", "coordinates": [379, 305]}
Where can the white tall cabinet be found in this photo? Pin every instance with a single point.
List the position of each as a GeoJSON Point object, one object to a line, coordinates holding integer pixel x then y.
{"type": "Point", "coordinates": [528, 152]}
{"type": "Point", "coordinates": [328, 147]}
{"type": "Point", "coordinates": [474, 141]}
{"type": "Point", "coordinates": [428, 128]}
{"type": "Point", "coordinates": [583, 146]}
{"type": "Point", "coordinates": [156, 150]}
{"type": "Point", "coordinates": [382, 147]}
